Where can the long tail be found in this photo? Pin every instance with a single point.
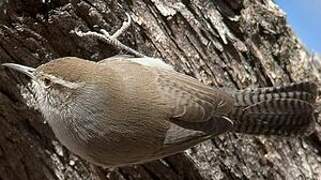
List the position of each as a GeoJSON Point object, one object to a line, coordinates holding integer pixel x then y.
{"type": "Point", "coordinates": [284, 110]}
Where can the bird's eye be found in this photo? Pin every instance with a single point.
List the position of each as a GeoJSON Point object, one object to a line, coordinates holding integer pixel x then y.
{"type": "Point", "coordinates": [47, 82]}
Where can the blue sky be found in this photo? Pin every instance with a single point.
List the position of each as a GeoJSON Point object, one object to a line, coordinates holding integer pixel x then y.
{"type": "Point", "coordinates": [304, 16]}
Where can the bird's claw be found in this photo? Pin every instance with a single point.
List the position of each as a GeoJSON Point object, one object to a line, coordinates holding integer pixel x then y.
{"type": "Point", "coordinates": [111, 39]}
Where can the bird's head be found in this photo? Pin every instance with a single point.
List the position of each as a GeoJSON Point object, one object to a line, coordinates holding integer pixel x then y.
{"type": "Point", "coordinates": [57, 82]}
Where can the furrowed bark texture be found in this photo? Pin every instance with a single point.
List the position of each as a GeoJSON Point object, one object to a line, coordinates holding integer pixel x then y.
{"type": "Point", "coordinates": [232, 43]}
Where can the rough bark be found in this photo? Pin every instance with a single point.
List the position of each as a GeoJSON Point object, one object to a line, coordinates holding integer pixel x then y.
{"type": "Point", "coordinates": [232, 43]}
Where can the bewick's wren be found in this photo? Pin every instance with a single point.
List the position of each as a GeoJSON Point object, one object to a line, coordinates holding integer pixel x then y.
{"type": "Point", "coordinates": [123, 111]}
{"type": "Point", "coordinates": [126, 110]}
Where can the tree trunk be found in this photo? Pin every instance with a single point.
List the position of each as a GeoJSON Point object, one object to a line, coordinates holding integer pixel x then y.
{"type": "Point", "coordinates": [232, 43]}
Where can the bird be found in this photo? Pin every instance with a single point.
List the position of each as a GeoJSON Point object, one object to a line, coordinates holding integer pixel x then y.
{"type": "Point", "coordinates": [128, 110]}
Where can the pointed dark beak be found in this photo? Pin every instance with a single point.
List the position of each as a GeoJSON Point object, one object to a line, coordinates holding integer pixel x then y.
{"type": "Point", "coordinates": [29, 71]}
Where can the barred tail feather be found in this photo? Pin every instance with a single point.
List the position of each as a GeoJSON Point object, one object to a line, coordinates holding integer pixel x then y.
{"type": "Point", "coordinates": [284, 110]}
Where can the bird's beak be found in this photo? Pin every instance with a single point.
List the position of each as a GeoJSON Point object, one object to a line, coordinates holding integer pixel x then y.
{"type": "Point", "coordinates": [29, 71]}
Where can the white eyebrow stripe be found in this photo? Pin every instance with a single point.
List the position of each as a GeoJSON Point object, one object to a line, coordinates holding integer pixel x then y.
{"type": "Point", "coordinates": [71, 85]}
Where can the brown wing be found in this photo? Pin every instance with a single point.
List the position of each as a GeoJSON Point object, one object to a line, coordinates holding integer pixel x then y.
{"type": "Point", "coordinates": [195, 110]}
{"type": "Point", "coordinates": [194, 106]}
{"type": "Point", "coordinates": [191, 100]}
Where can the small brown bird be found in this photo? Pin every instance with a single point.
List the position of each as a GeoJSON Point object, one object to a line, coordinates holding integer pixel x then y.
{"type": "Point", "coordinates": [126, 110]}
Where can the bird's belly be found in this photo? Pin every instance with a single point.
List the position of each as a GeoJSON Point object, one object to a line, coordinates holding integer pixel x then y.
{"type": "Point", "coordinates": [127, 152]}
{"type": "Point", "coordinates": [111, 158]}
{"type": "Point", "coordinates": [121, 146]}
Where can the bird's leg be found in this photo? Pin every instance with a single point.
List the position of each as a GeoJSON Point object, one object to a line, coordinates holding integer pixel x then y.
{"type": "Point", "coordinates": [122, 29]}
{"type": "Point", "coordinates": [112, 39]}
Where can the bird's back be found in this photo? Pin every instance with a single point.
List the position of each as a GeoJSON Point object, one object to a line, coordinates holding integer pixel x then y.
{"type": "Point", "coordinates": [139, 104]}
